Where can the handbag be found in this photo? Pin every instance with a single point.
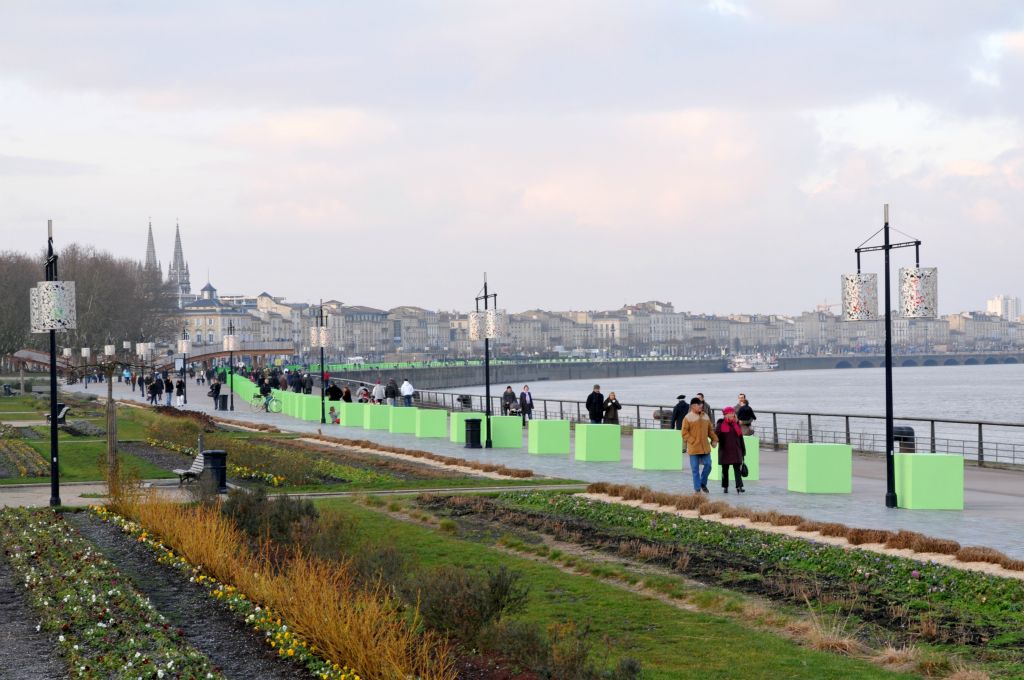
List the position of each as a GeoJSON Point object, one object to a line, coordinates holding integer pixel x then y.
{"type": "Point", "coordinates": [210, 393]}
{"type": "Point", "coordinates": [743, 470]}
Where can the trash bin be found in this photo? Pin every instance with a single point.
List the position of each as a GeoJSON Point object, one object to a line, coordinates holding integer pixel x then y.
{"type": "Point", "coordinates": [7, 391]}
{"type": "Point", "coordinates": [473, 433]}
{"type": "Point", "coordinates": [222, 402]}
{"type": "Point", "coordinates": [216, 462]}
{"type": "Point", "coordinates": [903, 439]}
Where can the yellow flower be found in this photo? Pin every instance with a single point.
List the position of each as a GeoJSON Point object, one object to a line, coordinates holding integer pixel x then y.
{"type": "Point", "coordinates": [291, 652]}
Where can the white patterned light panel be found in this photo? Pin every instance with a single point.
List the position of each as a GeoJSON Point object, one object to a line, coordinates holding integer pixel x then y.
{"type": "Point", "coordinates": [52, 306]}
{"type": "Point", "coordinates": [860, 296]}
{"type": "Point", "coordinates": [919, 292]}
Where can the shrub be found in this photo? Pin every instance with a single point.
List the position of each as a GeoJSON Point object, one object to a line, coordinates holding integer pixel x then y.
{"type": "Point", "coordinates": [259, 517]}
{"type": "Point", "coordinates": [462, 603]}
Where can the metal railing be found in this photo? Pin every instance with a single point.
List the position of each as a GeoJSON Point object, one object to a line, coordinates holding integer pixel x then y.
{"type": "Point", "coordinates": [979, 441]}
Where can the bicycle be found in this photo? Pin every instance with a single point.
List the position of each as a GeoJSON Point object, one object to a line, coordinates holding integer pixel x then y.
{"type": "Point", "coordinates": [270, 405]}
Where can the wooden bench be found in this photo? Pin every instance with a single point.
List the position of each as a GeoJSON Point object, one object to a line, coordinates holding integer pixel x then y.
{"type": "Point", "coordinates": [61, 416]}
{"type": "Point", "coordinates": [194, 471]}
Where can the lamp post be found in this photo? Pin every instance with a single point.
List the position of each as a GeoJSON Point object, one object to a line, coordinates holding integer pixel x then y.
{"type": "Point", "coordinates": [231, 344]}
{"type": "Point", "coordinates": [184, 346]}
{"type": "Point", "coordinates": [917, 300]}
{"type": "Point", "coordinates": [490, 320]}
{"type": "Point", "coordinates": [319, 339]}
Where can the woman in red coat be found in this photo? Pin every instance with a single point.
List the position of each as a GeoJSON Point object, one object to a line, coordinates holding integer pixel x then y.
{"type": "Point", "coordinates": [731, 448]}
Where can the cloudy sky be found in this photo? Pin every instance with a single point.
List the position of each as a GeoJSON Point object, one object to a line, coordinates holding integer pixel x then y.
{"type": "Point", "coordinates": [726, 156]}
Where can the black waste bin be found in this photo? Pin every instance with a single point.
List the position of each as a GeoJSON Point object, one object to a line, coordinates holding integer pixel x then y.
{"type": "Point", "coordinates": [7, 391]}
{"type": "Point", "coordinates": [473, 433]}
{"type": "Point", "coordinates": [215, 463]}
{"type": "Point", "coordinates": [222, 402]}
{"type": "Point", "coordinates": [903, 439]}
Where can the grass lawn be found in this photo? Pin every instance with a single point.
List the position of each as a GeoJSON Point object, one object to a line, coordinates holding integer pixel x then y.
{"type": "Point", "coordinates": [670, 642]}
{"type": "Point", "coordinates": [19, 403]}
{"type": "Point", "coordinates": [78, 463]}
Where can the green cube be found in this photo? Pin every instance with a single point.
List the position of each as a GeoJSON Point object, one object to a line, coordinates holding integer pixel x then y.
{"type": "Point", "coordinates": [657, 450]}
{"type": "Point", "coordinates": [458, 425]}
{"type": "Point", "coordinates": [403, 419]}
{"type": "Point", "coordinates": [598, 443]}
{"type": "Point", "coordinates": [309, 407]}
{"type": "Point", "coordinates": [431, 422]}
{"type": "Point", "coordinates": [548, 437]}
{"type": "Point", "coordinates": [506, 432]}
{"type": "Point", "coordinates": [351, 413]}
{"type": "Point", "coordinates": [377, 417]}
{"type": "Point", "coordinates": [752, 459]}
{"type": "Point", "coordinates": [820, 468]}
{"type": "Point", "coordinates": [929, 481]}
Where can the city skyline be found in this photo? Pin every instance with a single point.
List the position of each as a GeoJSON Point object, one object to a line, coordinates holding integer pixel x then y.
{"type": "Point", "coordinates": [724, 155]}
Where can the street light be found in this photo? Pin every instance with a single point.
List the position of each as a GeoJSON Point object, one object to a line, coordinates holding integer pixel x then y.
{"type": "Point", "coordinates": [52, 307]}
{"type": "Point", "coordinates": [184, 346]}
{"type": "Point", "coordinates": [487, 324]}
{"type": "Point", "coordinates": [918, 299]}
{"type": "Point", "coordinates": [318, 338]}
{"type": "Point", "coordinates": [231, 344]}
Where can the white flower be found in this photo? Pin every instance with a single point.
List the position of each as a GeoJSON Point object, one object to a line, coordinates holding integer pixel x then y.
{"type": "Point", "coordinates": [60, 638]}
{"type": "Point", "coordinates": [159, 673]}
{"type": "Point", "coordinates": [38, 626]}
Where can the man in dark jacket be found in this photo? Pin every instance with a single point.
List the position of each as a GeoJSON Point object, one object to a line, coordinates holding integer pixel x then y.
{"type": "Point", "coordinates": [333, 392]}
{"type": "Point", "coordinates": [679, 412]}
{"type": "Point", "coordinates": [391, 392]}
{"type": "Point", "coordinates": [595, 405]}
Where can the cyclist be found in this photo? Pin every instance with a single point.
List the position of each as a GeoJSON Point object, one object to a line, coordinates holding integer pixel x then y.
{"type": "Point", "coordinates": [267, 393]}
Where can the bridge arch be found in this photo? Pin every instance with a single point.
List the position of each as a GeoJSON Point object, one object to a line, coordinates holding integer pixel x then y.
{"type": "Point", "coordinates": [971, 361]}
{"type": "Point", "coordinates": [950, 362]}
{"type": "Point", "coordinates": [930, 362]}
{"type": "Point", "coordinates": [865, 364]}
{"type": "Point", "coordinates": [844, 364]}
{"type": "Point", "coordinates": [1010, 360]}
{"type": "Point", "coordinates": [991, 360]}
{"type": "Point", "coordinates": [908, 363]}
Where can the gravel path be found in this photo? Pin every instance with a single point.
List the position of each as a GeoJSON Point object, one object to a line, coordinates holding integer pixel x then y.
{"type": "Point", "coordinates": [237, 651]}
{"type": "Point", "coordinates": [24, 653]}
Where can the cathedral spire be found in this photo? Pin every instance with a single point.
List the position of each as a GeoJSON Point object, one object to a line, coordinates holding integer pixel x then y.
{"type": "Point", "coordinates": [177, 272]}
{"type": "Point", "coordinates": [151, 262]}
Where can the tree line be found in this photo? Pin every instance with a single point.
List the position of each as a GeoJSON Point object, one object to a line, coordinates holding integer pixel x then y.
{"type": "Point", "coordinates": [117, 299]}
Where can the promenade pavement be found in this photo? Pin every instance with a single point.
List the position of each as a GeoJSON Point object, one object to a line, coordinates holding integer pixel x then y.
{"type": "Point", "coordinates": [993, 499]}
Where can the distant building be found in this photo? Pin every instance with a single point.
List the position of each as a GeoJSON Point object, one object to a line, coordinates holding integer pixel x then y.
{"type": "Point", "coordinates": [1005, 306]}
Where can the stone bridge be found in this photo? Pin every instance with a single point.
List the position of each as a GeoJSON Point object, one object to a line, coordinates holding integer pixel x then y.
{"type": "Point", "coordinates": [906, 360]}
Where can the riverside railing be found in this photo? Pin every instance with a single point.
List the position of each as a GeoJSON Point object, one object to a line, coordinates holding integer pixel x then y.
{"type": "Point", "coordinates": [980, 441]}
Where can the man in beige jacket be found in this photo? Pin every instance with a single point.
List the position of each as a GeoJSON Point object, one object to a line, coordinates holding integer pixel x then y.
{"type": "Point", "coordinates": [697, 432]}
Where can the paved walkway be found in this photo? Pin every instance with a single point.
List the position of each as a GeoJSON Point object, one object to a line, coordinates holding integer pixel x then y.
{"type": "Point", "coordinates": [993, 499]}
{"type": "Point", "coordinates": [73, 494]}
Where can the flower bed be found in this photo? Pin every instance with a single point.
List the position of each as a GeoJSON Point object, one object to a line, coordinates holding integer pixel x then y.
{"type": "Point", "coordinates": [21, 457]}
{"type": "Point", "coordinates": [104, 627]}
{"type": "Point", "coordinates": [901, 594]}
{"type": "Point", "coordinates": [260, 618]}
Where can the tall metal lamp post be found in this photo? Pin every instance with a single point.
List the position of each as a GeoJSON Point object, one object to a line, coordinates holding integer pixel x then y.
{"type": "Point", "coordinates": [231, 344]}
{"type": "Point", "coordinates": [918, 299]}
{"type": "Point", "coordinates": [52, 306]}
{"type": "Point", "coordinates": [318, 338]}
{"type": "Point", "coordinates": [184, 346]}
{"type": "Point", "coordinates": [487, 324]}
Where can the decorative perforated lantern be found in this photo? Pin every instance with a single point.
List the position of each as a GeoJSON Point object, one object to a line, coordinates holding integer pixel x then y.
{"type": "Point", "coordinates": [230, 343]}
{"type": "Point", "coordinates": [86, 352]}
{"type": "Point", "coordinates": [127, 345]}
{"type": "Point", "coordinates": [52, 306]}
{"type": "Point", "coordinates": [184, 346]}
{"type": "Point", "coordinates": [919, 292]}
{"type": "Point", "coordinates": [67, 352]}
{"type": "Point", "coordinates": [860, 296]}
{"type": "Point", "coordinates": [496, 323]}
{"type": "Point", "coordinates": [318, 336]}
{"type": "Point", "coordinates": [476, 326]}
{"type": "Point", "coordinates": [109, 350]}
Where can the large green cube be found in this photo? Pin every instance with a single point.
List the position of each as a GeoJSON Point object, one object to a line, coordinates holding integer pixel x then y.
{"type": "Point", "coordinates": [458, 425]}
{"type": "Point", "coordinates": [929, 481]}
{"type": "Point", "coordinates": [377, 417]}
{"type": "Point", "coordinates": [548, 437]}
{"type": "Point", "coordinates": [431, 422]}
{"type": "Point", "coordinates": [506, 432]}
{"type": "Point", "coordinates": [657, 450]}
{"type": "Point", "coordinates": [403, 419]}
{"type": "Point", "coordinates": [309, 407]}
{"type": "Point", "coordinates": [820, 468]}
{"type": "Point", "coordinates": [352, 413]}
{"type": "Point", "coordinates": [752, 459]}
{"type": "Point", "coordinates": [598, 443]}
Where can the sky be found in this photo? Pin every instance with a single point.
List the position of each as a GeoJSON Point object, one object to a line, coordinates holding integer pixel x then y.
{"type": "Point", "coordinates": [726, 155]}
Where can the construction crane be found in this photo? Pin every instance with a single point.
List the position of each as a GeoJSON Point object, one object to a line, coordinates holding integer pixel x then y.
{"type": "Point", "coordinates": [826, 307]}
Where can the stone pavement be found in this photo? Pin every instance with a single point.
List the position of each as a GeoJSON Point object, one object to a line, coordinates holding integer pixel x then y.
{"type": "Point", "coordinates": [993, 499]}
{"type": "Point", "coordinates": [73, 494]}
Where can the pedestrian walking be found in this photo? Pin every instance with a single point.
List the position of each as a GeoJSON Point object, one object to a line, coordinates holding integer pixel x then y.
{"type": "Point", "coordinates": [526, 404]}
{"type": "Point", "coordinates": [697, 430]}
{"type": "Point", "coordinates": [158, 382]}
{"type": "Point", "coordinates": [346, 394]}
{"type": "Point", "coordinates": [333, 392]}
{"type": "Point", "coordinates": [215, 393]}
{"type": "Point", "coordinates": [611, 409]}
{"type": "Point", "coordinates": [378, 393]}
{"type": "Point", "coordinates": [595, 405]}
{"type": "Point", "coordinates": [332, 417]}
{"type": "Point", "coordinates": [179, 392]}
{"type": "Point", "coordinates": [168, 391]}
{"type": "Point", "coordinates": [391, 392]}
{"type": "Point", "coordinates": [407, 391]}
{"type": "Point", "coordinates": [679, 412]}
{"type": "Point", "coordinates": [508, 397]}
{"type": "Point", "coordinates": [745, 415]}
{"type": "Point", "coordinates": [151, 390]}
{"type": "Point", "coordinates": [731, 448]}
{"type": "Point", "coordinates": [706, 407]}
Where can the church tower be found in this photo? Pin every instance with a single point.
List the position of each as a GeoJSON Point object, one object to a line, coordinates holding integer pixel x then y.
{"type": "Point", "coordinates": [177, 272]}
{"type": "Point", "coordinates": [151, 262]}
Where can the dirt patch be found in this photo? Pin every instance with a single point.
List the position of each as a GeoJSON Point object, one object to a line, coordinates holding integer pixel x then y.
{"type": "Point", "coordinates": [237, 651]}
{"type": "Point", "coordinates": [25, 654]}
{"type": "Point", "coordinates": [161, 458]}
{"type": "Point", "coordinates": [410, 459]}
